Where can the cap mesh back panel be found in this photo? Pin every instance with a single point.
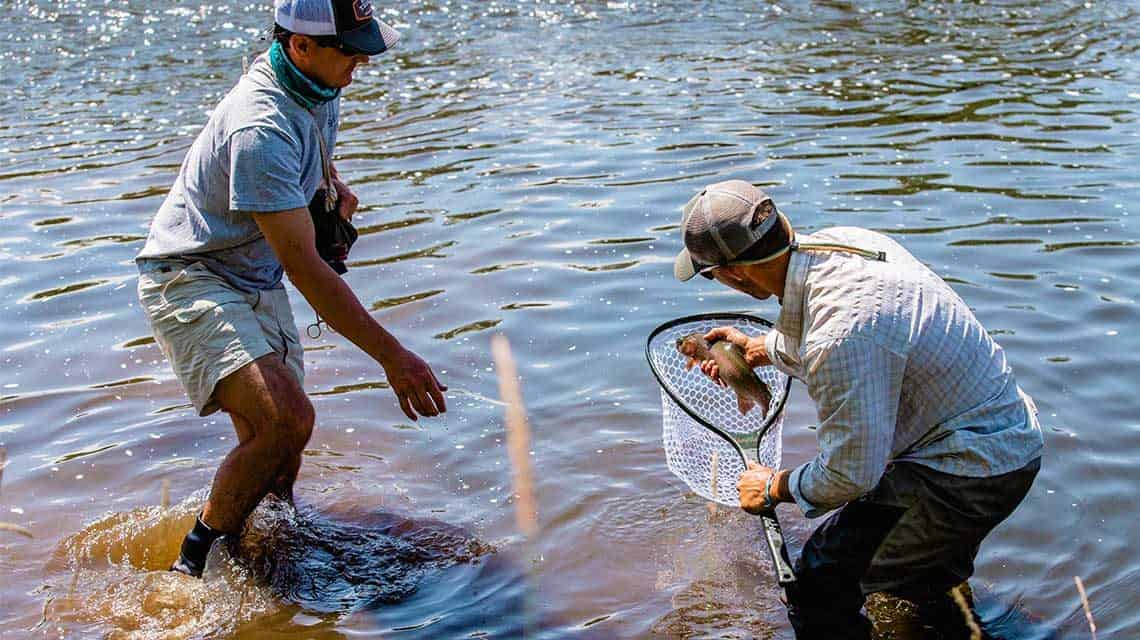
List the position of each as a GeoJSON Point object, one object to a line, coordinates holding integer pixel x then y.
{"type": "Point", "coordinates": [691, 448]}
{"type": "Point", "coordinates": [310, 17]}
{"type": "Point", "coordinates": [699, 241]}
{"type": "Point", "coordinates": [730, 206]}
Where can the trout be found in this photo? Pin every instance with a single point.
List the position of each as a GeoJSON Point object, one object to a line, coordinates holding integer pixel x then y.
{"type": "Point", "coordinates": [734, 371]}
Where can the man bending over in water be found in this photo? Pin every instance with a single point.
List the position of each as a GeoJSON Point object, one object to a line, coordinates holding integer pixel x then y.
{"type": "Point", "coordinates": [925, 441]}
{"type": "Point", "coordinates": [236, 219]}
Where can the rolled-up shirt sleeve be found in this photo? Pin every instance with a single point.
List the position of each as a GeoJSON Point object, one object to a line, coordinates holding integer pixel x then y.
{"type": "Point", "coordinates": [855, 384]}
{"type": "Point", "coordinates": [783, 356]}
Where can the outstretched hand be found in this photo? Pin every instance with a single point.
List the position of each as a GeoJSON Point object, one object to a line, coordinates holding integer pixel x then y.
{"type": "Point", "coordinates": [415, 385]}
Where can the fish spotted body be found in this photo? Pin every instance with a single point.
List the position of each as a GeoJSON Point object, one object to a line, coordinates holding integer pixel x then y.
{"type": "Point", "coordinates": [733, 369]}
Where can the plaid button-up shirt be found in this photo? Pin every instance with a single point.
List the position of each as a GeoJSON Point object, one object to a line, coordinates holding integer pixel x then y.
{"type": "Point", "coordinates": [900, 370]}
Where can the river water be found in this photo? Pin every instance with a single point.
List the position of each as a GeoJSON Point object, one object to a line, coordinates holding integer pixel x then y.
{"type": "Point", "coordinates": [521, 167]}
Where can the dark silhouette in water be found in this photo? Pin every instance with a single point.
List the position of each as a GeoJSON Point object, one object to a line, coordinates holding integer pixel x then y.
{"type": "Point", "coordinates": [385, 569]}
{"type": "Point", "coordinates": [353, 559]}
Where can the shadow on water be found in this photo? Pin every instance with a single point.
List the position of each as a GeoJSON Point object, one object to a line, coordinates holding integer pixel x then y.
{"type": "Point", "coordinates": [292, 572]}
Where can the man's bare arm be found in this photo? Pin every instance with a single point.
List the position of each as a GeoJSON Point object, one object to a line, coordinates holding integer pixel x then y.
{"type": "Point", "coordinates": [290, 234]}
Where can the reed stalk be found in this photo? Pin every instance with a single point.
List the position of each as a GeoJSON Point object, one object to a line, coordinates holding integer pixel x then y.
{"type": "Point", "coordinates": [518, 436]}
{"type": "Point", "coordinates": [1085, 604]}
{"type": "Point", "coordinates": [15, 528]}
{"type": "Point", "coordinates": [713, 469]}
{"type": "Point", "coordinates": [8, 526]}
{"type": "Point", "coordinates": [967, 614]}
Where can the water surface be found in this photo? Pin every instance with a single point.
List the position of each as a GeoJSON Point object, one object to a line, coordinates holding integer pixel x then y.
{"type": "Point", "coordinates": [521, 167]}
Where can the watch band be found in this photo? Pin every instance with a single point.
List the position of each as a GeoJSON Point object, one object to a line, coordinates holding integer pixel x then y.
{"type": "Point", "coordinates": [768, 503]}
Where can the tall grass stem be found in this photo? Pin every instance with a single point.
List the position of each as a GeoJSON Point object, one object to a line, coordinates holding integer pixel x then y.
{"type": "Point", "coordinates": [1085, 604]}
{"type": "Point", "coordinates": [518, 435]}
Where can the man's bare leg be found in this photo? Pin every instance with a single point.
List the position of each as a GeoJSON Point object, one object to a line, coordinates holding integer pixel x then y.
{"type": "Point", "coordinates": [286, 478]}
{"type": "Point", "coordinates": [273, 419]}
{"type": "Point", "coordinates": [277, 418]}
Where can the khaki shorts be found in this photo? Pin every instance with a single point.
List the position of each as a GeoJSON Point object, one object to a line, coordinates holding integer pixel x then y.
{"type": "Point", "coordinates": [208, 330]}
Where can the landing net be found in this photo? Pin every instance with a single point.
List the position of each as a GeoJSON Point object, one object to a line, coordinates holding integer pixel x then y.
{"type": "Point", "coordinates": [694, 408]}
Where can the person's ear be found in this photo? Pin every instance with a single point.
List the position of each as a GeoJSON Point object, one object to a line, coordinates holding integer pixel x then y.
{"type": "Point", "coordinates": [762, 212]}
{"type": "Point", "coordinates": [301, 46]}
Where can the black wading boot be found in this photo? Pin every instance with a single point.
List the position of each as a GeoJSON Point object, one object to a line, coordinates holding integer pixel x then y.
{"type": "Point", "coordinates": [195, 547]}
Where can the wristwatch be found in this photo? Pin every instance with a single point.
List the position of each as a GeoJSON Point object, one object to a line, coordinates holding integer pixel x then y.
{"type": "Point", "coordinates": [768, 503]}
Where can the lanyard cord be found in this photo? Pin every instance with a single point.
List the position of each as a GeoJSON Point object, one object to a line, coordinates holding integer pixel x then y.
{"type": "Point", "coordinates": [326, 167]}
{"type": "Point", "coordinates": [879, 256]}
{"type": "Point", "coordinates": [314, 330]}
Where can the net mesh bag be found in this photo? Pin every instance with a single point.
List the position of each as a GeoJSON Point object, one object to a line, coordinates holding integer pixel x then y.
{"type": "Point", "coordinates": [707, 462]}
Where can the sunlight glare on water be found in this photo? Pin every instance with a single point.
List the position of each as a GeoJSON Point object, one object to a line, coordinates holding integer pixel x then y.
{"type": "Point", "coordinates": [521, 167]}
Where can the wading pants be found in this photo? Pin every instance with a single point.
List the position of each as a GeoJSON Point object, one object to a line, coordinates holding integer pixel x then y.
{"type": "Point", "coordinates": [914, 537]}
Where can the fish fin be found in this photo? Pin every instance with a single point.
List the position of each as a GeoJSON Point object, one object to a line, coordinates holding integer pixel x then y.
{"type": "Point", "coordinates": [766, 397]}
{"type": "Point", "coordinates": [744, 404]}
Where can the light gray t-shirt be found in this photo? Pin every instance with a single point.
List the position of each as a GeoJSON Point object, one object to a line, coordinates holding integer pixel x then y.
{"type": "Point", "coordinates": [258, 152]}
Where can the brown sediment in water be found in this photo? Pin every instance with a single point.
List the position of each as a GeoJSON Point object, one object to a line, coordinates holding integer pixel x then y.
{"type": "Point", "coordinates": [896, 617]}
{"type": "Point", "coordinates": [111, 577]}
{"type": "Point", "coordinates": [703, 570]}
{"type": "Point", "coordinates": [959, 139]}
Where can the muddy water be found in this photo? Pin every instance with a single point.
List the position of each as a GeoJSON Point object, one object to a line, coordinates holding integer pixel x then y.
{"type": "Point", "coordinates": [521, 167]}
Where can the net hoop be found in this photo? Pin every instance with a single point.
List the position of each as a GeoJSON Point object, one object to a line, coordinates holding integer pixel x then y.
{"type": "Point", "coordinates": [701, 424]}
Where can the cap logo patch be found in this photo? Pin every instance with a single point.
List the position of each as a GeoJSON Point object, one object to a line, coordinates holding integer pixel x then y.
{"type": "Point", "coordinates": [362, 9]}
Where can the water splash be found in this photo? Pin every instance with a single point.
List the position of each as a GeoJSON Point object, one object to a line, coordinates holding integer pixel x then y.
{"type": "Point", "coordinates": [111, 577]}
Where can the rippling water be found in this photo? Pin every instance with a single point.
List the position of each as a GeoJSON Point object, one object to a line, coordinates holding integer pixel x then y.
{"type": "Point", "coordinates": [522, 165]}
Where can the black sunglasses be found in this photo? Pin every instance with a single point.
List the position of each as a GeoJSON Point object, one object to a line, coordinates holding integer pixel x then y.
{"type": "Point", "coordinates": [744, 260]}
{"type": "Point", "coordinates": [334, 42]}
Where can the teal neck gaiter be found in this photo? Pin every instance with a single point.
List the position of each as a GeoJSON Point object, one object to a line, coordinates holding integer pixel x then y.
{"type": "Point", "coordinates": [304, 91]}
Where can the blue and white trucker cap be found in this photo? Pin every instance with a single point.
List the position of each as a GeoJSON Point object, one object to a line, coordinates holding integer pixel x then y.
{"type": "Point", "coordinates": [350, 21]}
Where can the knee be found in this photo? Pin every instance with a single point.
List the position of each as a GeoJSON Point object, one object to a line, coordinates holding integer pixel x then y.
{"type": "Point", "coordinates": [297, 425]}
{"type": "Point", "coordinates": [286, 430]}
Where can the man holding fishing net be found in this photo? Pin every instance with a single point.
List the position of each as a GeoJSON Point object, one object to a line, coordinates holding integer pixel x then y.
{"type": "Point", "coordinates": [256, 197]}
{"type": "Point", "coordinates": [926, 442]}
